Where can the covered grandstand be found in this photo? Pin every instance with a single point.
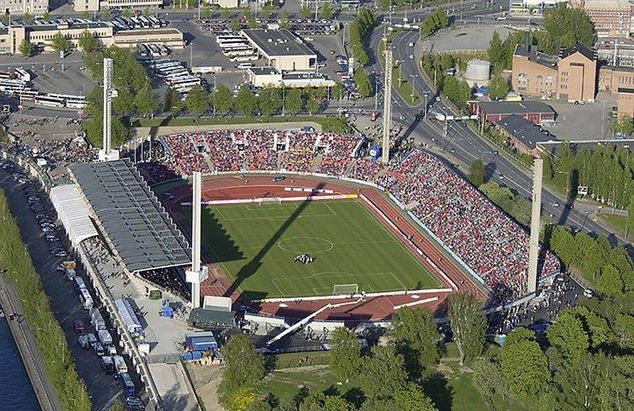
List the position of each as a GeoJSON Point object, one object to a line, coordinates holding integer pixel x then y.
{"type": "Point", "coordinates": [136, 228]}
{"type": "Point", "coordinates": [73, 212]}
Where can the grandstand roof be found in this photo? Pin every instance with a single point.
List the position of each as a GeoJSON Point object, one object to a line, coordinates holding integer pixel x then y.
{"type": "Point", "coordinates": [137, 228]}
{"type": "Point", "coordinates": [73, 212]}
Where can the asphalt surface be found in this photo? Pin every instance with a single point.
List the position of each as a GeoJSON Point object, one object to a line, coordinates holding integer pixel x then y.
{"type": "Point", "coordinates": [462, 145]}
{"type": "Point", "coordinates": [63, 298]}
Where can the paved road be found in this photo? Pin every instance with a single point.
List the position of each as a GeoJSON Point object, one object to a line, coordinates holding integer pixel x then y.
{"type": "Point", "coordinates": [463, 146]}
{"type": "Point", "coordinates": [62, 296]}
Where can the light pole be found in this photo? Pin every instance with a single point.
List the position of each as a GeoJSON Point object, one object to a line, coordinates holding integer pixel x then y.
{"type": "Point", "coordinates": [214, 94]}
{"type": "Point", "coordinates": [426, 96]}
{"type": "Point", "coordinates": [191, 54]}
{"type": "Point", "coordinates": [376, 93]}
{"type": "Point", "coordinates": [413, 76]}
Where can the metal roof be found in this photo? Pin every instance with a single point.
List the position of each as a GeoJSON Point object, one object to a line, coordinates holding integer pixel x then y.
{"type": "Point", "coordinates": [139, 230]}
{"type": "Point", "coordinates": [515, 107]}
{"type": "Point", "coordinates": [73, 212]}
{"type": "Point", "coordinates": [274, 43]}
{"type": "Point", "coordinates": [525, 131]}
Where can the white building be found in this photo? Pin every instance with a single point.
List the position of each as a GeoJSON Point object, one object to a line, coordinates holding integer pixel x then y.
{"type": "Point", "coordinates": [23, 6]}
{"type": "Point", "coordinates": [96, 5]}
{"type": "Point", "coordinates": [282, 50]}
{"type": "Point", "coordinates": [224, 4]}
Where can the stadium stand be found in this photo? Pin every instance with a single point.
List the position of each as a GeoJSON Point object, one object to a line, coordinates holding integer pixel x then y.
{"type": "Point", "coordinates": [485, 239]}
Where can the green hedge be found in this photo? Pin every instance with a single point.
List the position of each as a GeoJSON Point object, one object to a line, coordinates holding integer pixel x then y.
{"type": "Point", "coordinates": [49, 336]}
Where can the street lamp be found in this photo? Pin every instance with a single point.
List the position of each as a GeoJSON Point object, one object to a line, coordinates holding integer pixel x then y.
{"type": "Point", "coordinates": [413, 76]}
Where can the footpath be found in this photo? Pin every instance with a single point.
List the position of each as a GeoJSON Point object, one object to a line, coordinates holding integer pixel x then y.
{"type": "Point", "coordinates": [31, 356]}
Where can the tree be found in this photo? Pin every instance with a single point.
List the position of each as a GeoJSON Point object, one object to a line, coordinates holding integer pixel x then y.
{"type": "Point", "coordinates": [412, 398]}
{"type": "Point", "coordinates": [294, 101]}
{"type": "Point", "coordinates": [416, 337]}
{"type": "Point", "coordinates": [362, 81]}
{"type": "Point", "coordinates": [126, 13]}
{"type": "Point", "coordinates": [498, 87]}
{"type": "Point", "coordinates": [46, 16]}
{"type": "Point", "coordinates": [25, 48]}
{"type": "Point", "coordinates": [488, 380]}
{"type": "Point", "coordinates": [477, 173]}
{"type": "Point", "coordinates": [266, 12]}
{"type": "Point", "coordinates": [457, 91]}
{"type": "Point", "coordinates": [313, 106]}
{"type": "Point", "coordinates": [107, 14]}
{"type": "Point", "coordinates": [223, 99]}
{"type": "Point", "coordinates": [567, 26]}
{"type": "Point", "coordinates": [246, 102]}
{"type": "Point", "coordinates": [435, 21]}
{"type": "Point", "coordinates": [244, 368]}
{"type": "Point", "coordinates": [624, 327]}
{"type": "Point", "coordinates": [59, 42]}
{"type": "Point", "coordinates": [305, 13]}
{"type": "Point", "coordinates": [235, 25]}
{"type": "Point", "coordinates": [252, 23]}
{"type": "Point", "coordinates": [326, 11]}
{"type": "Point", "coordinates": [630, 216]}
{"type": "Point", "coordinates": [468, 325]}
{"type": "Point", "coordinates": [146, 101]}
{"type": "Point", "coordinates": [610, 282]}
{"type": "Point", "coordinates": [623, 125]}
{"type": "Point", "coordinates": [382, 373]}
{"type": "Point", "coordinates": [196, 101]}
{"type": "Point", "coordinates": [171, 103]}
{"type": "Point", "coordinates": [226, 13]}
{"type": "Point", "coordinates": [284, 22]}
{"type": "Point", "coordinates": [94, 131]}
{"type": "Point", "coordinates": [337, 91]}
{"type": "Point", "coordinates": [87, 42]}
{"type": "Point", "coordinates": [496, 53]}
{"type": "Point", "coordinates": [345, 354]}
{"type": "Point", "coordinates": [259, 405]}
{"type": "Point", "coordinates": [568, 336]}
{"type": "Point", "coordinates": [123, 104]}
{"type": "Point", "coordinates": [524, 365]}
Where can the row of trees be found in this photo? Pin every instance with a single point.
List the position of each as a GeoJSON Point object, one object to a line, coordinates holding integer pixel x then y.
{"type": "Point", "coordinates": [610, 268]}
{"type": "Point", "coordinates": [607, 171]}
{"type": "Point", "coordinates": [360, 28]}
{"type": "Point", "coordinates": [383, 378]}
{"type": "Point", "coordinates": [436, 20]}
{"type": "Point", "coordinates": [19, 271]}
{"type": "Point", "coordinates": [436, 66]}
{"type": "Point", "coordinates": [584, 363]}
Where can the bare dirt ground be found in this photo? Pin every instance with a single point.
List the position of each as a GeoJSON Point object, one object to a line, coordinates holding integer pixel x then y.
{"type": "Point", "coordinates": [205, 379]}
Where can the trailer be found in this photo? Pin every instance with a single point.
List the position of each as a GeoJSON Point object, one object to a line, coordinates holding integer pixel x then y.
{"type": "Point", "coordinates": [127, 385]}
{"type": "Point", "coordinates": [105, 337]}
{"type": "Point", "coordinates": [130, 320]}
{"type": "Point", "coordinates": [119, 364]}
{"type": "Point", "coordinates": [97, 319]}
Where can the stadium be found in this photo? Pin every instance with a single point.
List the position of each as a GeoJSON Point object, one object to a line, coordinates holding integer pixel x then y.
{"type": "Point", "coordinates": [378, 237]}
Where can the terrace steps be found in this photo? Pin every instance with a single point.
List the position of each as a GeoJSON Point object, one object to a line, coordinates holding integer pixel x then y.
{"type": "Point", "coordinates": [316, 163]}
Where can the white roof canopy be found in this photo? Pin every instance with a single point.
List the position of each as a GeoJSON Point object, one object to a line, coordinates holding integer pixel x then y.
{"type": "Point", "coordinates": [73, 212]}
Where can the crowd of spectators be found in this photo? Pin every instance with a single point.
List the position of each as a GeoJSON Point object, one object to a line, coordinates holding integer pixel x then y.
{"type": "Point", "coordinates": [184, 156]}
{"type": "Point", "coordinates": [301, 151]}
{"type": "Point", "coordinates": [339, 149]}
{"type": "Point", "coordinates": [486, 239]}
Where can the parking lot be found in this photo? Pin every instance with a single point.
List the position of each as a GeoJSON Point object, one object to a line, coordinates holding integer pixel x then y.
{"type": "Point", "coordinates": [583, 122]}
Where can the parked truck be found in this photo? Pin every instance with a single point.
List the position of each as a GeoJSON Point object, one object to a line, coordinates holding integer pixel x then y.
{"type": "Point", "coordinates": [105, 337]}
{"type": "Point", "coordinates": [119, 364]}
{"type": "Point", "coordinates": [97, 319]}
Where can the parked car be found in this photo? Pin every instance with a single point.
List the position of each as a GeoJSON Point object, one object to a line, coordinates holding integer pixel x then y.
{"type": "Point", "coordinates": [79, 326]}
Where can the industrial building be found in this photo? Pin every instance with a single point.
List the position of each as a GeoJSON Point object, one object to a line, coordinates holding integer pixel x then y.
{"type": "Point", "coordinates": [282, 49]}
{"type": "Point", "coordinates": [33, 7]}
{"type": "Point", "coordinates": [96, 5]}
{"type": "Point", "coordinates": [41, 35]}
{"type": "Point", "coordinates": [525, 136]}
{"type": "Point", "coordinates": [571, 75]}
{"type": "Point", "coordinates": [224, 4]}
{"type": "Point", "coordinates": [611, 18]}
{"type": "Point", "coordinates": [493, 111]}
{"type": "Point", "coordinates": [531, 7]}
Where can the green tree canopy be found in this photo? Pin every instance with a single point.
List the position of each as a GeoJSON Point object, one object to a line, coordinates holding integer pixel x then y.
{"type": "Point", "coordinates": [196, 101]}
{"type": "Point", "coordinates": [244, 368]}
{"type": "Point", "coordinates": [345, 354]}
{"type": "Point", "coordinates": [294, 101]}
{"type": "Point", "coordinates": [468, 325]}
{"type": "Point", "coordinates": [568, 336]}
{"type": "Point", "coordinates": [326, 11]}
{"type": "Point", "coordinates": [382, 373]}
{"type": "Point", "coordinates": [146, 101]}
{"type": "Point", "coordinates": [524, 365]}
{"type": "Point", "coordinates": [362, 81]}
{"type": "Point", "coordinates": [568, 25]}
{"type": "Point", "coordinates": [623, 125]}
{"type": "Point", "coordinates": [246, 102]}
{"type": "Point", "coordinates": [25, 48]}
{"type": "Point", "coordinates": [223, 100]}
{"type": "Point", "coordinates": [476, 172]}
{"type": "Point", "coordinates": [416, 337]}
{"type": "Point", "coordinates": [610, 282]}
{"type": "Point", "coordinates": [59, 42]}
{"type": "Point", "coordinates": [498, 87]}
{"type": "Point", "coordinates": [87, 42]}
{"type": "Point", "coordinates": [434, 21]}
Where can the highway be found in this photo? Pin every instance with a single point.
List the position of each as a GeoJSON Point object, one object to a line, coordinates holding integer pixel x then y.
{"type": "Point", "coordinates": [463, 146]}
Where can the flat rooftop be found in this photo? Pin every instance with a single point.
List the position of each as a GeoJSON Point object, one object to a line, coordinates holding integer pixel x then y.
{"type": "Point", "coordinates": [136, 226]}
{"type": "Point", "coordinates": [514, 107]}
{"type": "Point", "coordinates": [277, 43]}
{"type": "Point", "coordinates": [148, 32]}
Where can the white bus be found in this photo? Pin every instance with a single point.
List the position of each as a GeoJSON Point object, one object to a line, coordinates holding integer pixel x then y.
{"type": "Point", "coordinates": [244, 66]}
{"type": "Point", "coordinates": [22, 74]}
{"type": "Point", "coordinates": [170, 64]}
{"type": "Point", "coordinates": [232, 42]}
{"type": "Point", "coordinates": [155, 22]}
{"type": "Point", "coordinates": [50, 101]}
{"type": "Point", "coordinates": [241, 59]}
{"type": "Point", "coordinates": [185, 83]}
{"type": "Point", "coordinates": [175, 70]}
{"type": "Point", "coordinates": [180, 75]}
{"type": "Point", "coordinates": [145, 22]}
{"type": "Point", "coordinates": [239, 52]}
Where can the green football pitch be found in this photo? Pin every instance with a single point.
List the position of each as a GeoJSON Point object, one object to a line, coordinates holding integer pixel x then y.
{"type": "Point", "coordinates": [256, 246]}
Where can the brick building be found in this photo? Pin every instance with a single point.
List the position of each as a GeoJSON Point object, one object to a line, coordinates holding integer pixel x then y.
{"type": "Point", "coordinates": [524, 135]}
{"type": "Point", "coordinates": [619, 81]}
{"type": "Point", "coordinates": [569, 76]}
{"type": "Point", "coordinates": [494, 111]}
{"type": "Point", "coordinates": [611, 18]}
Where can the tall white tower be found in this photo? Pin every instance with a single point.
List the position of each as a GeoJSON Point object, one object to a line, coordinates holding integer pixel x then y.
{"type": "Point", "coordinates": [387, 105]}
{"type": "Point", "coordinates": [533, 251]}
{"type": "Point", "coordinates": [197, 274]}
{"type": "Point", "coordinates": [107, 153]}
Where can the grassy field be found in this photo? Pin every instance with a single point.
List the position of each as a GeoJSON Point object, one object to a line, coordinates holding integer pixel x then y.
{"type": "Point", "coordinates": [256, 245]}
{"type": "Point", "coordinates": [618, 222]}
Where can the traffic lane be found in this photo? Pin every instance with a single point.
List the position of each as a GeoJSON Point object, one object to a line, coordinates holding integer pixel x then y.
{"type": "Point", "coordinates": [61, 293]}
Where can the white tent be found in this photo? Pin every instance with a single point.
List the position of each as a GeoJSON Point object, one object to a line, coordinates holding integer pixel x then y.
{"type": "Point", "coordinates": [72, 211]}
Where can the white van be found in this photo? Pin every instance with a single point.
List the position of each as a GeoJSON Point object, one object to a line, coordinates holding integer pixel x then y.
{"type": "Point", "coordinates": [85, 298]}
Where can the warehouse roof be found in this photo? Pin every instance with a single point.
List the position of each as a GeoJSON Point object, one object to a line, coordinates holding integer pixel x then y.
{"type": "Point", "coordinates": [277, 43]}
{"type": "Point", "coordinates": [139, 231]}
{"type": "Point", "coordinates": [525, 131]}
{"type": "Point", "coordinates": [514, 107]}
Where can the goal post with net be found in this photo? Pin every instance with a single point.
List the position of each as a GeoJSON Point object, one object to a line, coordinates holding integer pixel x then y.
{"type": "Point", "coordinates": [268, 200]}
{"type": "Point", "coordinates": [345, 289]}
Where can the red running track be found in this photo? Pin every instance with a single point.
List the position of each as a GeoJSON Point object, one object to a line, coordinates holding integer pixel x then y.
{"type": "Point", "coordinates": [234, 187]}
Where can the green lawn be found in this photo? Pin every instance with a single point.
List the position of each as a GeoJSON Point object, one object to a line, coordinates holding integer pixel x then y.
{"type": "Point", "coordinates": [618, 222]}
{"type": "Point", "coordinates": [256, 244]}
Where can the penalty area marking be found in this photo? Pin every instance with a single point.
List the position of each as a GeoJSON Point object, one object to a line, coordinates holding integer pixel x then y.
{"type": "Point", "coordinates": [288, 245]}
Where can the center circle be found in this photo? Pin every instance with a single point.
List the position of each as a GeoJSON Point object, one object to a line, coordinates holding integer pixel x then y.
{"type": "Point", "coordinates": [306, 245]}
